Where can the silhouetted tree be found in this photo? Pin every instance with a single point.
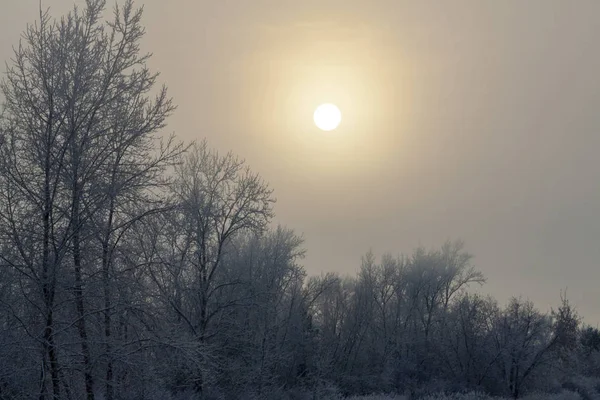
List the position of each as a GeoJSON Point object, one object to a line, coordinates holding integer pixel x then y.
{"type": "Point", "coordinates": [80, 137]}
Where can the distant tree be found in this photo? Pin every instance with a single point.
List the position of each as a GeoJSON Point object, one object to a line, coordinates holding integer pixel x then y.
{"type": "Point", "coordinates": [566, 346]}
{"type": "Point", "coordinates": [433, 280]}
{"type": "Point", "coordinates": [590, 351]}
{"type": "Point", "coordinates": [466, 345]}
{"type": "Point", "coordinates": [525, 338]}
{"type": "Point", "coordinates": [566, 326]}
{"type": "Point", "coordinates": [590, 339]}
{"type": "Point", "coordinates": [386, 328]}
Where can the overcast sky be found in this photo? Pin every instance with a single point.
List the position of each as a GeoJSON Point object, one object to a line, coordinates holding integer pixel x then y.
{"type": "Point", "coordinates": [476, 120]}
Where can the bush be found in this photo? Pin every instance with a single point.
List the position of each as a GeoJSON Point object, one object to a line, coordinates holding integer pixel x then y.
{"type": "Point", "coordinates": [377, 397]}
{"type": "Point", "coordinates": [459, 396]}
{"type": "Point", "coordinates": [564, 395]}
{"type": "Point", "coordinates": [585, 387]}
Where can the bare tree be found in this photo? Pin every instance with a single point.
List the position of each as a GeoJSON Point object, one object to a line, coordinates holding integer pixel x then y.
{"type": "Point", "coordinates": [32, 164]}
{"type": "Point", "coordinates": [80, 146]}
{"type": "Point", "coordinates": [217, 199]}
{"type": "Point", "coordinates": [466, 346]}
{"type": "Point", "coordinates": [524, 336]}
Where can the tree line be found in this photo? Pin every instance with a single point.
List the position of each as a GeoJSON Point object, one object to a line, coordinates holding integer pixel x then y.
{"type": "Point", "coordinates": [135, 266]}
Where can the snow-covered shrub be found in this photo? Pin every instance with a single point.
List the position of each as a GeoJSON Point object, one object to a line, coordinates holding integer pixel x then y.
{"type": "Point", "coordinates": [586, 387]}
{"type": "Point", "coordinates": [321, 392]}
{"type": "Point", "coordinates": [564, 395]}
{"type": "Point", "coordinates": [459, 396]}
{"type": "Point", "coordinates": [378, 397]}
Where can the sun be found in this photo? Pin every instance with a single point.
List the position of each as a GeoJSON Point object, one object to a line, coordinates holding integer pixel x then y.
{"type": "Point", "coordinates": [327, 117]}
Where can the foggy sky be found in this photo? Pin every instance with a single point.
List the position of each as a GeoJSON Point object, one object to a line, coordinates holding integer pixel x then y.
{"type": "Point", "coordinates": [476, 120]}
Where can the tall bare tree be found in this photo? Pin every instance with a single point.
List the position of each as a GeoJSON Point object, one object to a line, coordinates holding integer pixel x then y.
{"type": "Point", "coordinates": [81, 146]}
{"type": "Point", "coordinates": [217, 199]}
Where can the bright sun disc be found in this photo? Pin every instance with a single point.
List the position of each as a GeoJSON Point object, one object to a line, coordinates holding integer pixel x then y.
{"type": "Point", "coordinates": [327, 117]}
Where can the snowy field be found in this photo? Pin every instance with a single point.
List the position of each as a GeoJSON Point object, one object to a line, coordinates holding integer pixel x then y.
{"type": "Point", "coordinates": [565, 395]}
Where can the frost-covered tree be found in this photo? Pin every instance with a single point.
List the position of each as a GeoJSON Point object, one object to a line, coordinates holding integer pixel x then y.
{"type": "Point", "coordinates": [524, 338]}
{"type": "Point", "coordinates": [80, 146]}
{"type": "Point", "coordinates": [217, 200]}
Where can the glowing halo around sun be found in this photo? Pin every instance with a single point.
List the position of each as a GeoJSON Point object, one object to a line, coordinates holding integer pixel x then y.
{"type": "Point", "coordinates": [327, 117]}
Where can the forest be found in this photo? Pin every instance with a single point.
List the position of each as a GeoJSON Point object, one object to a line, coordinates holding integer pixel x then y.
{"type": "Point", "coordinates": [136, 266]}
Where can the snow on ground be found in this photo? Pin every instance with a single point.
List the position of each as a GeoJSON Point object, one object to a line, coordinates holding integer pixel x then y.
{"type": "Point", "coordinates": [564, 395]}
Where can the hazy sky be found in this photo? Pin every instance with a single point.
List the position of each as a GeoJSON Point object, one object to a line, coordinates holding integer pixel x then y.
{"type": "Point", "coordinates": [477, 120]}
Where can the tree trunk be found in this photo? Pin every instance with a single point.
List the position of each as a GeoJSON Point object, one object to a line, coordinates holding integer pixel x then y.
{"type": "Point", "coordinates": [199, 386]}
{"type": "Point", "coordinates": [81, 325]}
{"type": "Point", "coordinates": [48, 288]}
{"type": "Point", "coordinates": [106, 258]}
{"type": "Point", "coordinates": [50, 350]}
